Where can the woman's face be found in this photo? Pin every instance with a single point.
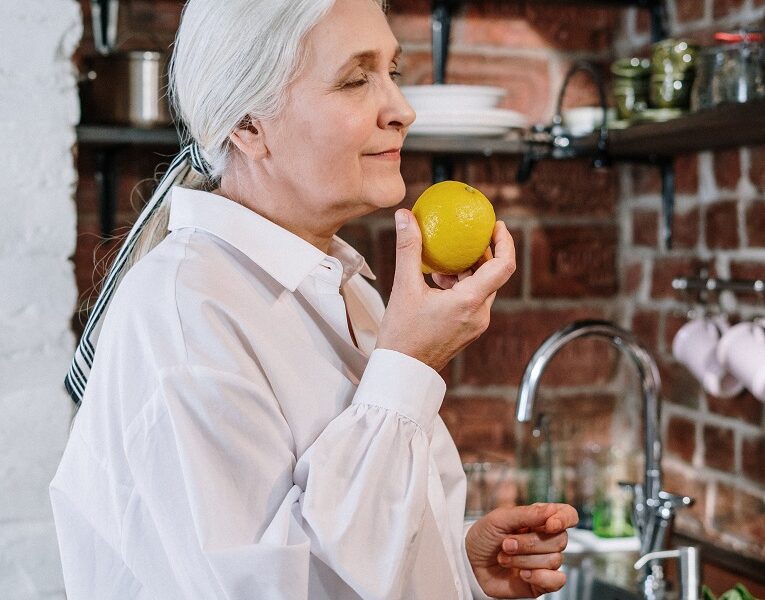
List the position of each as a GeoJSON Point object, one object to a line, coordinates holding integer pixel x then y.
{"type": "Point", "coordinates": [335, 146]}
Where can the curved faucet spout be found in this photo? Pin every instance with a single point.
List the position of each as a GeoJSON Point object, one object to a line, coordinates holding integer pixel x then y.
{"type": "Point", "coordinates": [649, 381]}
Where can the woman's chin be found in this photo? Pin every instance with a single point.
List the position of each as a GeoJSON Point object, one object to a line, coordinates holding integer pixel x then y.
{"type": "Point", "coordinates": [389, 194]}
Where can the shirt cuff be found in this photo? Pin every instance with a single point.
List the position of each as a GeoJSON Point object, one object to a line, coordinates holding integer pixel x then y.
{"type": "Point", "coordinates": [398, 382]}
{"type": "Point", "coordinates": [475, 588]}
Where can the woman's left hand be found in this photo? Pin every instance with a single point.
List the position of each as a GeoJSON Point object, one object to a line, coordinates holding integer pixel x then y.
{"type": "Point", "coordinates": [516, 551]}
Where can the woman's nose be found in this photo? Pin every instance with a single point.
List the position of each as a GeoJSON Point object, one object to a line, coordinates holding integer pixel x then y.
{"type": "Point", "coordinates": [396, 111]}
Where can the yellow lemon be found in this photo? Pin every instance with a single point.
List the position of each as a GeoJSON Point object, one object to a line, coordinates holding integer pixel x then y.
{"type": "Point", "coordinates": [456, 221]}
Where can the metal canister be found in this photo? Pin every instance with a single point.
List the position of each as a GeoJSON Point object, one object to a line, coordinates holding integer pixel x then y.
{"type": "Point", "coordinates": [127, 88]}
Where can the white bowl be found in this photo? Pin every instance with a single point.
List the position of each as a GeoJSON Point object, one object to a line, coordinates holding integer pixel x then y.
{"type": "Point", "coordinates": [585, 119]}
{"type": "Point", "coordinates": [451, 97]}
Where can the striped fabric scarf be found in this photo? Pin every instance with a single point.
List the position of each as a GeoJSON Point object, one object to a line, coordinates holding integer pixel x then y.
{"type": "Point", "coordinates": [189, 157]}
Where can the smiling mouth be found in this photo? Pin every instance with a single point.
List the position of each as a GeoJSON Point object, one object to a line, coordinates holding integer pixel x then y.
{"type": "Point", "coordinates": [392, 153]}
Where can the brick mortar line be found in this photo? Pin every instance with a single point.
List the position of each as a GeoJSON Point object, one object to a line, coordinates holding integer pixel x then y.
{"type": "Point", "coordinates": [704, 417]}
{"type": "Point", "coordinates": [552, 394]}
{"type": "Point", "coordinates": [526, 258]}
{"type": "Point", "coordinates": [683, 201]}
{"type": "Point", "coordinates": [705, 253]}
{"type": "Point", "coordinates": [559, 221]}
{"type": "Point", "coordinates": [713, 476]}
{"type": "Point", "coordinates": [507, 393]}
{"type": "Point", "coordinates": [515, 305]}
{"type": "Point", "coordinates": [711, 503]}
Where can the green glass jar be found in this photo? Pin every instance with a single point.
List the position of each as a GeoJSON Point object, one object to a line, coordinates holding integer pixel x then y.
{"type": "Point", "coordinates": [631, 85]}
{"type": "Point", "coordinates": [631, 98]}
{"type": "Point", "coordinates": [672, 56]}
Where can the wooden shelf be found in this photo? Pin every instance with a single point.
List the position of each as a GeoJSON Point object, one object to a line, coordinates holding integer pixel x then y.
{"type": "Point", "coordinates": [119, 135]}
{"type": "Point", "coordinates": [725, 126]}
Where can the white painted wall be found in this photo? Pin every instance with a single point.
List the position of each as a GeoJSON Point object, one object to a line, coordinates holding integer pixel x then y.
{"type": "Point", "coordinates": [39, 108]}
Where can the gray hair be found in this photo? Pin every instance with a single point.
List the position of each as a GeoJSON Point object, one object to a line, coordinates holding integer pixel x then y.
{"type": "Point", "coordinates": [230, 59]}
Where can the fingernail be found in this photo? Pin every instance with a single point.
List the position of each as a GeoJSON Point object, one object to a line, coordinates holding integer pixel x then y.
{"type": "Point", "coordinates": [510, 545]}
{"type": "Point", "coordinates": [525, 574]}
{"type": "Point", "coordinates": [402, 220]}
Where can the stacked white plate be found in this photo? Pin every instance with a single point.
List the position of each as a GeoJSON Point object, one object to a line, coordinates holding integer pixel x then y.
{"type": "Point", "coordinates": [468, 110]}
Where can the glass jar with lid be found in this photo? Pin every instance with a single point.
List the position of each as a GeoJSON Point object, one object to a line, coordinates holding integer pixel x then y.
{"type": "Point", "coordinates": [739, 66]}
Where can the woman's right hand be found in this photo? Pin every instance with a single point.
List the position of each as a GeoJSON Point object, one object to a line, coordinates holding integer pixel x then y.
{"type": "Point", "coordinates": [434, 325]}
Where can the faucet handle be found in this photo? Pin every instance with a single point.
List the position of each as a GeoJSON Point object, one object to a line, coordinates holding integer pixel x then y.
{"type": "Point", "coordinates": [672, 501]}
{"type": "Point", "coordinates": [690, 568]}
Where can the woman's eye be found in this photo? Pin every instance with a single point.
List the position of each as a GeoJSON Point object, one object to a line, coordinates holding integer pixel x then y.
{"type": "Point", "coordinates": [395, 76]}
{"type": "Point", "coordinates": [357, 82]}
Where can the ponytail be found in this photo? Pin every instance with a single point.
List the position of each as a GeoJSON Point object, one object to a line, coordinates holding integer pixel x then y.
{"type": "Point", "coordinates": [188, 169]}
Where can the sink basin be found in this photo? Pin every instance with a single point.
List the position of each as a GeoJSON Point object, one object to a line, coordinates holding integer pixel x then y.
{"type": "Point", "coordinates": [610, 577]}
{"type": "Point", "coordinates": [598, 568]}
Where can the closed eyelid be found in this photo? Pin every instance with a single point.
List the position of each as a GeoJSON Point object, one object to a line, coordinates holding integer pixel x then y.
{"type": "Point", "coordinates": [367, 59]}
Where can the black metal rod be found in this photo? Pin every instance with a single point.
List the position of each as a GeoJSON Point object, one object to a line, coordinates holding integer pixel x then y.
{"type": "Point", "coordinates": [659, 28]}
{"type": "Point", "coordinates": [441, 22]}
{"type": "Point", "coordinates": [443, 166]}
{"type": "Point", "coordinates": [667, 199]}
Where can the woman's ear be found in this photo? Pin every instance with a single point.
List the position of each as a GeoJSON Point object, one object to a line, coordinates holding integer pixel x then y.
{"type": "Point", "coordinates": [250, 139]}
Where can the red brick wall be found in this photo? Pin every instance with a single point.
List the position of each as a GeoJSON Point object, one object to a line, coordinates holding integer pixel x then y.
{"type": "Point", "coordinates": [587, 246]}
{"type": "Point", "coordinates": [715, 448]}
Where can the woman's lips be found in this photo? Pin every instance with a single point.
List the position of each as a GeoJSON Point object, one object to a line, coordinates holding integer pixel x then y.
{"type": "Point", "coordinates": [392, 154]}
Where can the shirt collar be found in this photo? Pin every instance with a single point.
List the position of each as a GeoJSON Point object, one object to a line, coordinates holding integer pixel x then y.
{"type": "Point", "coordinates": [286, 257]}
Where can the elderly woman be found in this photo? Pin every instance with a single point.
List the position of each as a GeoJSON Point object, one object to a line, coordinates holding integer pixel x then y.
{"type": "Point", "coordinates": [256, 424]}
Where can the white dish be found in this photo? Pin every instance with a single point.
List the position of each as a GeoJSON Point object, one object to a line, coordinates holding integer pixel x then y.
{"type": "Point", "coordinates": [493, 117]}
{"type": "Point", "coordinates": [451, 96]}
{"type": "Point", "coordinates": [486, 122]}
{"type": "Point", "coordinates": [585, 119]}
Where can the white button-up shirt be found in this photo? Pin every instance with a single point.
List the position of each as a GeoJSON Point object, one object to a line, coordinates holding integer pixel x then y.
{"type": "Point", "coordinates": [233, 442]}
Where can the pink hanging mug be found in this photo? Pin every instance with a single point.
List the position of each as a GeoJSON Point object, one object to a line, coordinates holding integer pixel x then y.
{"type": "Point", "coordinates": [695, 346]}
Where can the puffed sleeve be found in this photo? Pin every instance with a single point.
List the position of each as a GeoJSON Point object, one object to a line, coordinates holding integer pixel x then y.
{"type": "Point", "coordinates": [242, 517]}
{"type": "Point", "coordinates": [454, 484]}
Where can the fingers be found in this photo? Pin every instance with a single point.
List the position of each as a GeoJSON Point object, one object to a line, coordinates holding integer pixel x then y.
{"type": "Point", "coordinates": [408, 250]}
{"type": "Point", "coordinates": [549, 516]}
{"type": "Point", "coordinates": [445, 282]}
{"type": "Point", "coordinates": [493, 273]}
{"type": "Point", "coordinates": [551, 561]}
{"type": "Point", "coordinates": [563, 518]}
{"type": "Point", "coordinates": [535, 543]}
{"type": "Point", "coordinates": [544, 579]}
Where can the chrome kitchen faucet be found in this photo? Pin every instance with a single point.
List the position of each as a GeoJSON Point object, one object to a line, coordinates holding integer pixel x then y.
{"type": "Point", "coordinates": [653, 509]}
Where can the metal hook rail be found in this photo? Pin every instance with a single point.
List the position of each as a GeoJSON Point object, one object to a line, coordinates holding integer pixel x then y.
{"type": "Point", "coordinates": [713, 284]}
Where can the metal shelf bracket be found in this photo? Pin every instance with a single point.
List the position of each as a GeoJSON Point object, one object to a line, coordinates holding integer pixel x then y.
{"type": "Point", "coordinates": [441, 23]}
{"type": "Point", "coordinates": [667, 167]}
